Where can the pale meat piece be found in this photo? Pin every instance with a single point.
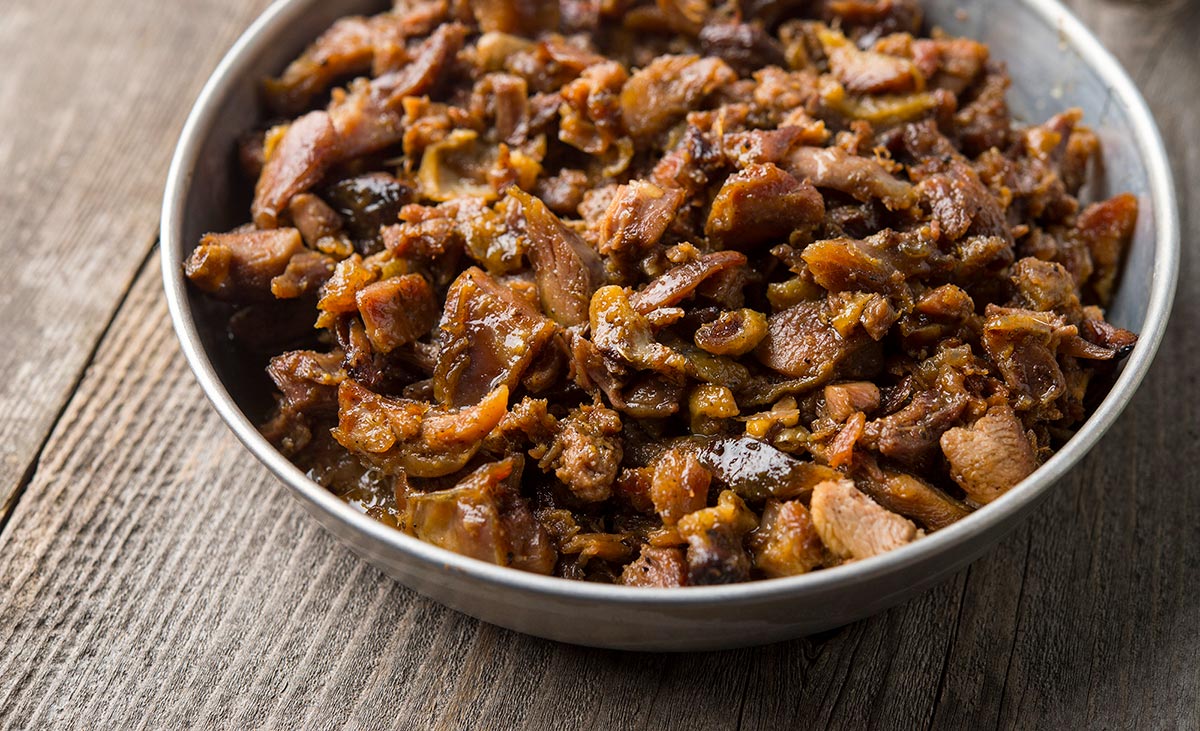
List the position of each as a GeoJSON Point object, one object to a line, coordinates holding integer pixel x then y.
{"type": "Point", "coordinates": [990, 456]}
{"type": "Point", "coordinates": [853, 526]}
{"type": "Point", "coordinates": [656, 567]}
{"type": "Point", "coordinates": [861, 177]}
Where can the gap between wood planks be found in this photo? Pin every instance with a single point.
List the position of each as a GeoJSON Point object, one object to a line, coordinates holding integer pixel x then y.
{"type": "Point", "coordinates": [10, 506]}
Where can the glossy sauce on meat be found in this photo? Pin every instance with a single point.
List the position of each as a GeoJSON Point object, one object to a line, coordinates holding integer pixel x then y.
{"type": "Point", "coordinates": [667, 293]}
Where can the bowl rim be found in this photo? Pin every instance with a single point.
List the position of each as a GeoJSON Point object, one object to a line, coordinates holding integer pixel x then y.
{"type": "Point", "coordinates": [1165, 273]}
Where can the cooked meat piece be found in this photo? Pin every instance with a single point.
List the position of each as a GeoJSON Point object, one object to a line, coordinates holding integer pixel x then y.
{"type": "Point", "coordinates": [656, 567]}
{"type": "Point", "coordinates": [860, 177]}
{"type": "Point", "coordinates": [842, 400]}
{"type": "Point", "coordinates": [1045, 286]}
{"type": "Point", "coordinates": [346, 48]}
{"type": "Point", "coordinates": [756, 470]}
{"type": "Point", "coordinates": [786, 541]}
{"type": "Point", "coordinates": [761, 204]}
{"type": "Point", "coordinates": [990, 456]}
{"type": "Point", "coordinates": [566, 269]}
{"type": "Point", "coordinates": [401, 435]}
{"type": "Point", "coordinates": [397, 311]}
{"type": "Point", "coordinates": [1100, 332]}
{"type": "Point", "coordinates": [314, 218]}
{"type": "Point", "coordinates": [802, 344]}
{"type": "Point", "coordinates": [660, 94]}
{"type": "Point", "coordinates": [240, 265]}
{"type": "Point", "coordinates": [590, 110]}
{"type": "Point", "coordinates": [298, 161]}
{"type": "Point", "coordinates": [867, 72]}
{"type": "Point", "coordinates": [305, 274]}
{"type": "Point", "coordinates": [488, 337]}
{"type": "Point", "coordinates": [853, 526]}
{"type": "Point", "coordinates": [678, 283]}
{"type": "Point", "coordinates": [909, 496]}
{"type": "Point", "coordinates": [715, 554]}
{"type": "Point", "coordinates": [746, 47]}
{"type": "Point", "coordinates": [623, 335]}
{"type": "Point", "coordinates": [679, 485]}
{"type": "Point", "coordinates": [484, 517]}
{"type": "Point", "coordinates": [911, 434]}
{"type": "Point", "coordinates": [875, 18]}
{"type": "Point", "coordinates": [953, 64]}
{"type": "Point", "coordinates": [525, 17]}
{"type": "Point", "coordinates": [732, 333]}
{"type": "Point", "coordinates": [307, 381]}
{"type": "Point", "coordinates": [1106, 229]}
{"type": "Point", "coordinates": [586, 453]}
{"type": "Point", "coordinates": [421, 74]}
{"type": "Point", "coordinates": [1023, 345]}
{"type": "Point", "coordinates": [638, 216]}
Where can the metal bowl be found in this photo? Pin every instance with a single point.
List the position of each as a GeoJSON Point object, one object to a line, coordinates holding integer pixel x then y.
{"type": "Point", "coordinates": [1055, 64]}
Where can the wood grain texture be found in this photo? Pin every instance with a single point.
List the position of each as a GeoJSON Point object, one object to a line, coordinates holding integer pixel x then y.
{"type": "Point", "coordinates": [92, 96]}
{"type": "Point", "coordinates": [155, 576]}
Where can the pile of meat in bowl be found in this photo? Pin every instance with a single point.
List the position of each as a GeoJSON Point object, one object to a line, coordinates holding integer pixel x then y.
{"type": "Point", "coordinates": [667, 293]}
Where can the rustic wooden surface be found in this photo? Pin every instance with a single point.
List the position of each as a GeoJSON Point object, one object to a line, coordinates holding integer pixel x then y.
{"type": "Point", "coordinates": [175, 584]}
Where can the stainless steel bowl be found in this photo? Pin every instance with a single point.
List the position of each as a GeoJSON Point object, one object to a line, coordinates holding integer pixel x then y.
{"type": "Point", "coordinates": [1055, 63]}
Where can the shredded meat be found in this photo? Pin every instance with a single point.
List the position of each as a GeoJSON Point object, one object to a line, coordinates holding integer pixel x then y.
{"type": "Point", "coordinates": [667, 292]}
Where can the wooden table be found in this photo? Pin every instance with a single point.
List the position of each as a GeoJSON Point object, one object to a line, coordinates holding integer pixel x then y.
{"type": "Point", "coordinates": [152, 574]}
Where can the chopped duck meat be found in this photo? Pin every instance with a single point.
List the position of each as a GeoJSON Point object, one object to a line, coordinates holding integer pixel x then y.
{"type": "Point", "coordinates": [990, 456]}
{"type": "Point", "coordinates": [489, 336]}
{"type": "Point", "coordinates": [786, 541]}
{"type": "Point", "coordinates": [656, 567]}
{"type": "Point", "coordinates": [715, 554]}
{"type": "Point", "coordinates": [484, 517]}
{"type": "Point", "coordinates": [670, 292]}
{"type": "Point", "coordinates": [853, 526]}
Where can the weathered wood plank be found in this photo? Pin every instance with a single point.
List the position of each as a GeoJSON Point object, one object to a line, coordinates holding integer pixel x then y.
{"type": "Point", "coordinates": [91, 98]}
{"type": "Point", "coordinates": [173, 583]}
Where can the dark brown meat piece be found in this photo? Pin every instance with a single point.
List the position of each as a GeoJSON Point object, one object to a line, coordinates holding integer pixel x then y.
{"type": "Point", "coordinates": [368, 203]}
{"type": "Point", "coordinates": [397, 311]}
{"type": "Point", "coordinates": [756, 470]}
{"type": "Point", "coordinates": [307, 381]}
{"type": "Point", "coordinates": [762, 204]}
{"type": "Point", "coordinates": [715, 553]}
{"type": "Point", "coordinates": [638, 216]}
{"type": "Point", "coordinates": [910, 496]}
{"type": "Point", "coordinates": [586, 453]}
{"type": "Point", "coordinates": [910, 435]}
{"type": "Point", "coordinates": [746, 47]}
{"type": "Point", "coordinates": [1023, 345]}
{"type": "Point", "coordinates": [484, 517]}
{"type": "Point", "coordinates": [1106, 229]}
{"type": "Point", "coordinates": [678, 283]}
{"type": "Point", "coordinates": [990, 456]}
{"type": "Point", "coordinates": [567, 270]}
{"type": "Point", "coordinates": [488, 337]}
{"type": "Point", "coordinates": [240, 265]}
{"type": "Point", "coordinates": [802, 344]}
{"type": "Point", "coordinates": [853, 526]}
{"type": "Point", "coordinates": [522, 17]}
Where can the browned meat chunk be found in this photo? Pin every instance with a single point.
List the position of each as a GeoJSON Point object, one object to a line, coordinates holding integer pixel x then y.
{"type": "Point", "coordinates": [314, 218]}
{"type": "Point", "coordinates": [861, 177]}
{"type": "Point", "coordinates": [566, 269]}
{"type": "Point", "coordinates": [525, 17]}
{"type": "Point", "coordinates": [239, 266]}
{"type": "Point", "coordinates": [867, 72]}
{"type": "Point", "coordinates": [656, 567]}
{"type": "Point", "coordinates": [853, 526]}
{"type": "Point", "coordinates": [1023, 345]}
{"type": "Point", "coordinates": [678, 283]}
{"type": "Point", "coordinates": [786, 541]}
{"type": "Point", "coordinates": [401, 435]}
{"type": "Point", "coordinates": [638, 216]}
{"type": "Point", "coordinates": [660, 94]}
{"type": "Point", "coordinates": [488, 336]}
{"type": "Point", "coordinates": [346, 48]}
{"type": "Point", "coordinates": [623, 335]}
{"type": "Point", "coordinates": [761, 204]}
{"type": "Point", "coordinates": [1106, 229]}
{"type": "Point", "coordinates": [990, 456]}
{"type": "Point", "coordinates": [801, 343]}
{"type": "Point", "coordinates": [911, 497]}
{"type": "Point", "coordinates": [844, 399]}
{"type": "Point", "coordinates": [305, 152]}
{"type": "Point", "coordinates": [397, 311]}
{"type": "Point", "coordinates": [307, 381]}
{"type": "Point", "coordinates": [733, 333]}
{"type": "Point", "coordinates": [715, 553]}
{"type": "Point", "coordinates": [586, 453]}
{"type": "Point", "coordinates": [911, 434]}
{"type": "Point", "coordinates": [484, 517]}
{"type": "Point", "coordinates": [679, 485]}
{"type": "Point", "coordinates": [306, 272]}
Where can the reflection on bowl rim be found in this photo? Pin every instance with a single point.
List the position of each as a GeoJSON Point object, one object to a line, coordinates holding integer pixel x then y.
{"type": "Point", "coordinates": [1166, 264]}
